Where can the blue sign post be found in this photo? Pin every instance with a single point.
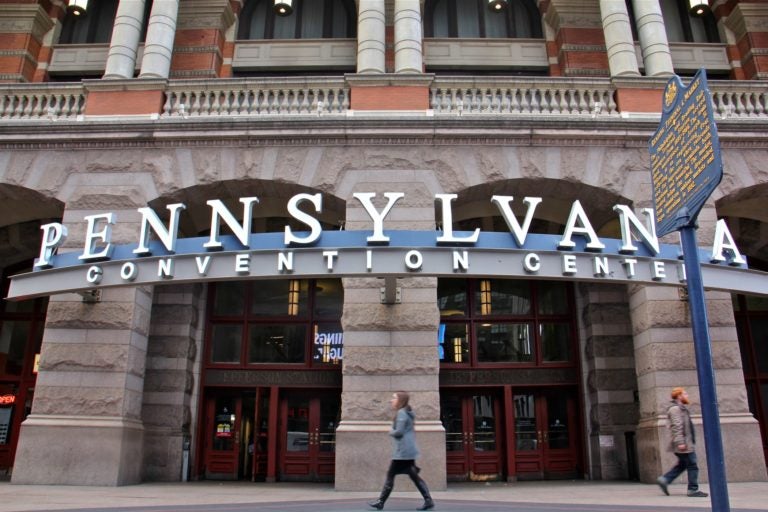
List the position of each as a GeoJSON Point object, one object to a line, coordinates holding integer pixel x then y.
{"type": "Point", "coordinates": [685, 170]}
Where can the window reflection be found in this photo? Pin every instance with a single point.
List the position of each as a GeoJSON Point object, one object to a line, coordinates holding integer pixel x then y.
{"type": "Point", "coordinates": [504, 321]}
{"type": "Point", "coordinates": [503, 297]}
{"type": "Point", "coordinates": [288, 321]}
{"type": "Point", "coordinates": [504, 343]}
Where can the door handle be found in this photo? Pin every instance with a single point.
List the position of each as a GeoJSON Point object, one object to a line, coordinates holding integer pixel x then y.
{"type": "Point", "coordinates": [546, 436]}
{"type": "Point", "coordinates": [538, 436]}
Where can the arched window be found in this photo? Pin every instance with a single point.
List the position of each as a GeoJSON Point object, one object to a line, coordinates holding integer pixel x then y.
{"type": "Point", "coordinates": [96, 25]}
{"type": "Point", "coordinates": [311, 19]}
{"type": "Point", "coordinates": [681, 27]}
{"type": "Point", "coordinates": [472, 18]}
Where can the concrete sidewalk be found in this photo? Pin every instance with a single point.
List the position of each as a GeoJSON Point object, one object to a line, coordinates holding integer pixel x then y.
{"type": "Point", "coordinates": [229, 496]}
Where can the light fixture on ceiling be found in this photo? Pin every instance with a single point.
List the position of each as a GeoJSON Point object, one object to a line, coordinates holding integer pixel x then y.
{"type": "Point", "coordinates": [283, 7]}
{"type": "Point", "coordinates": [699, 7]}
{"type": "Point", "coordinates": [497, 5]}
{"type": "Point", "coordinates": [78, 7]}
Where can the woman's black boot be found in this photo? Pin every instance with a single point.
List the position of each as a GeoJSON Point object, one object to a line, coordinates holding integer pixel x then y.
{"type": "Point", "coordinates": [379, 503]}
{"type": "Point", "coordinates": [421, 485]}
{"type": "Point", "coordinates": [428, 504]}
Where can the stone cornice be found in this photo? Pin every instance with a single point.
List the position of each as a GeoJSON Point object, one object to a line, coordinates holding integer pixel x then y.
{"type": "Point", "coordinates": [748, 18]}
{"type": "Point", "coordinates": [25, 18]}
{"type": "Point", "coordinates": [561, 14]}
{"type": "Point", "coordinates": [484, 130]}
{"type": "Point", "coordinates": [216, 14]}
{"type": "Point", "coordinates": [389, 79]}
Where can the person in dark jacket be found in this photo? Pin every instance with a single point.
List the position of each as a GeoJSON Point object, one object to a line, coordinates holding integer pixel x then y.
{"type": "Point", "coordinates": [683, 441]}
{"type": "Point", "coordinates": [404, 453]}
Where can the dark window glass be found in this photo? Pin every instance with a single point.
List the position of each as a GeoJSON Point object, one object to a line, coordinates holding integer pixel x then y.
{"type": "Point", "coordinates": [226, 341]}
{"type": "Point", "coordinates": [555, 342]}
{"type": "Point", "coordinates": [502, 297]}
{"type": "Point", "coordinates": [453, 343]}
{"type": "Point", "coordinates": [759, 327]}
{"type": "Point", "coordinates": [553, 298]}
{"type": "Point", "coordinates": [505, 343]}
{"type": "Point", "coordinates": [95, 26]}
{"type": "Point", "coordinates": [329, 298]}
{"type": "Point", "coordinates": [472, 19]}
{"type": "Point", "coordinates": [281, 322]}
{"type": "Point", "coordinates": [452, 297]}
{"type": "Point", "coordinates": [13, 344]}
{"type": "Point", "coordinates": [280, 298]}
{"type": "Point", "coordinates": [316, 19]}
{"type": "Point", "coordinates": [277, 343]}
{"type": "Point", "coordinates": [229, 299]}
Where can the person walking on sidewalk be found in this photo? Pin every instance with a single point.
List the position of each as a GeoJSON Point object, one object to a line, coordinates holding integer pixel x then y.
{"type": "Point", "coordinates": [683, 443]}
{"type": "Point", "coordinates": [404, 453]}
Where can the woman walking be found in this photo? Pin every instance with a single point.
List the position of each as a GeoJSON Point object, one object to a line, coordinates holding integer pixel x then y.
{"type": "Point", "coordinates": [404, 453]}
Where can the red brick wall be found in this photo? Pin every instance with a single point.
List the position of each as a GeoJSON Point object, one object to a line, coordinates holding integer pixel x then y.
{"type": "Point", "coordinates": [639, 100]}
{"type": "Point", "coordinates": [390, 98]}
{"type": "Point", "coordinates": [100, 103]}
{"type": "Point", "coordinates": [198, 53]}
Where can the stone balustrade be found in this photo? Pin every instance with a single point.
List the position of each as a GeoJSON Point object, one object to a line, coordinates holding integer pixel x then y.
{"type": "Point", "coordinates": [505, 95]}
{"type": "Point", "coordinates": [742, 100]}
{"type": "Point", "coordinates": [42, 101]}
{"type": "Point", "coordinates": [737, 100]}
{"type": "Point", "coordinates": [246, 97]}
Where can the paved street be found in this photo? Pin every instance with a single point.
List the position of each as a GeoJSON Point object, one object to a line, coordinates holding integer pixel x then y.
{"type": "Point", "coordinates": [572, 496]}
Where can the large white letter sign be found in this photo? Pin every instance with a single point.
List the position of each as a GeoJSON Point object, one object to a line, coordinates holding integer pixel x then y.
{"type": "Point", "coordinates": [54, 234]}
{"type": "Point", "coordinates": [242, 232]}
{"type": "Point", "coordinates": [378, 236]}
{"type": "Point", "coordinates": [586, 229]}
{"type": "Point", "coordinates": [92, 236]}
{"type": "Point", "coordinates": [519, 232]}
{"type": "Point", "coordinates": [721, 233]}
{"type": "Point", "coordinates": [627, 219]}
{"type": "Point", "coordinates": [447, 236]}
{"type": "Point", "coordinates": [167, 236]}
{"type": "Point", "coordinates": [313, 223]}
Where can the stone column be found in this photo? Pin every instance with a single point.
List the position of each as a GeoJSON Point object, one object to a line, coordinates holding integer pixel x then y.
{"type": "Point", "coordinates": [371, 43]}
{"type": "Point", "coordinates": [665, 358]}
{"type": "Point", "coordinates": [124, 45]}
{"type": "Point", "coordinates": [389, 347]}
{"type": "Point", "coordinates": [609, 371]}
{"type": "Point", "coordinates": [653, 38]}
{"type": "Point", "coordinates": [169, 387]}
{"type": "Point", "coordinates": [408, 37]}
{"type": "Point", "coordinates": [622, 59]}
{"type": "Point", "coordinates": [85, 427]}
{"type": "Point", "coordinates": [158, 48]}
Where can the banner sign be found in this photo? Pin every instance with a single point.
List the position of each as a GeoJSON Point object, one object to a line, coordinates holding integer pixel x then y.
{"type": "Point", "coordinates": [577, 254]}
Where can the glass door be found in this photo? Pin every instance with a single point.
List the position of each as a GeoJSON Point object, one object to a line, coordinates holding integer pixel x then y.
{"type": "Point", "coordinates": [471, 422]}
{"type": "Point", "coordinates": [308, 442]}
{"type": "Point", "coordinates": [544, 439]}
{"type": "Point", "coordinates": [223, 437]}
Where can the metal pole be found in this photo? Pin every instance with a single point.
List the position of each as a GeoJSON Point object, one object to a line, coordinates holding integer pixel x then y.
{"type": "Point", "coordinates": [718, 484]}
